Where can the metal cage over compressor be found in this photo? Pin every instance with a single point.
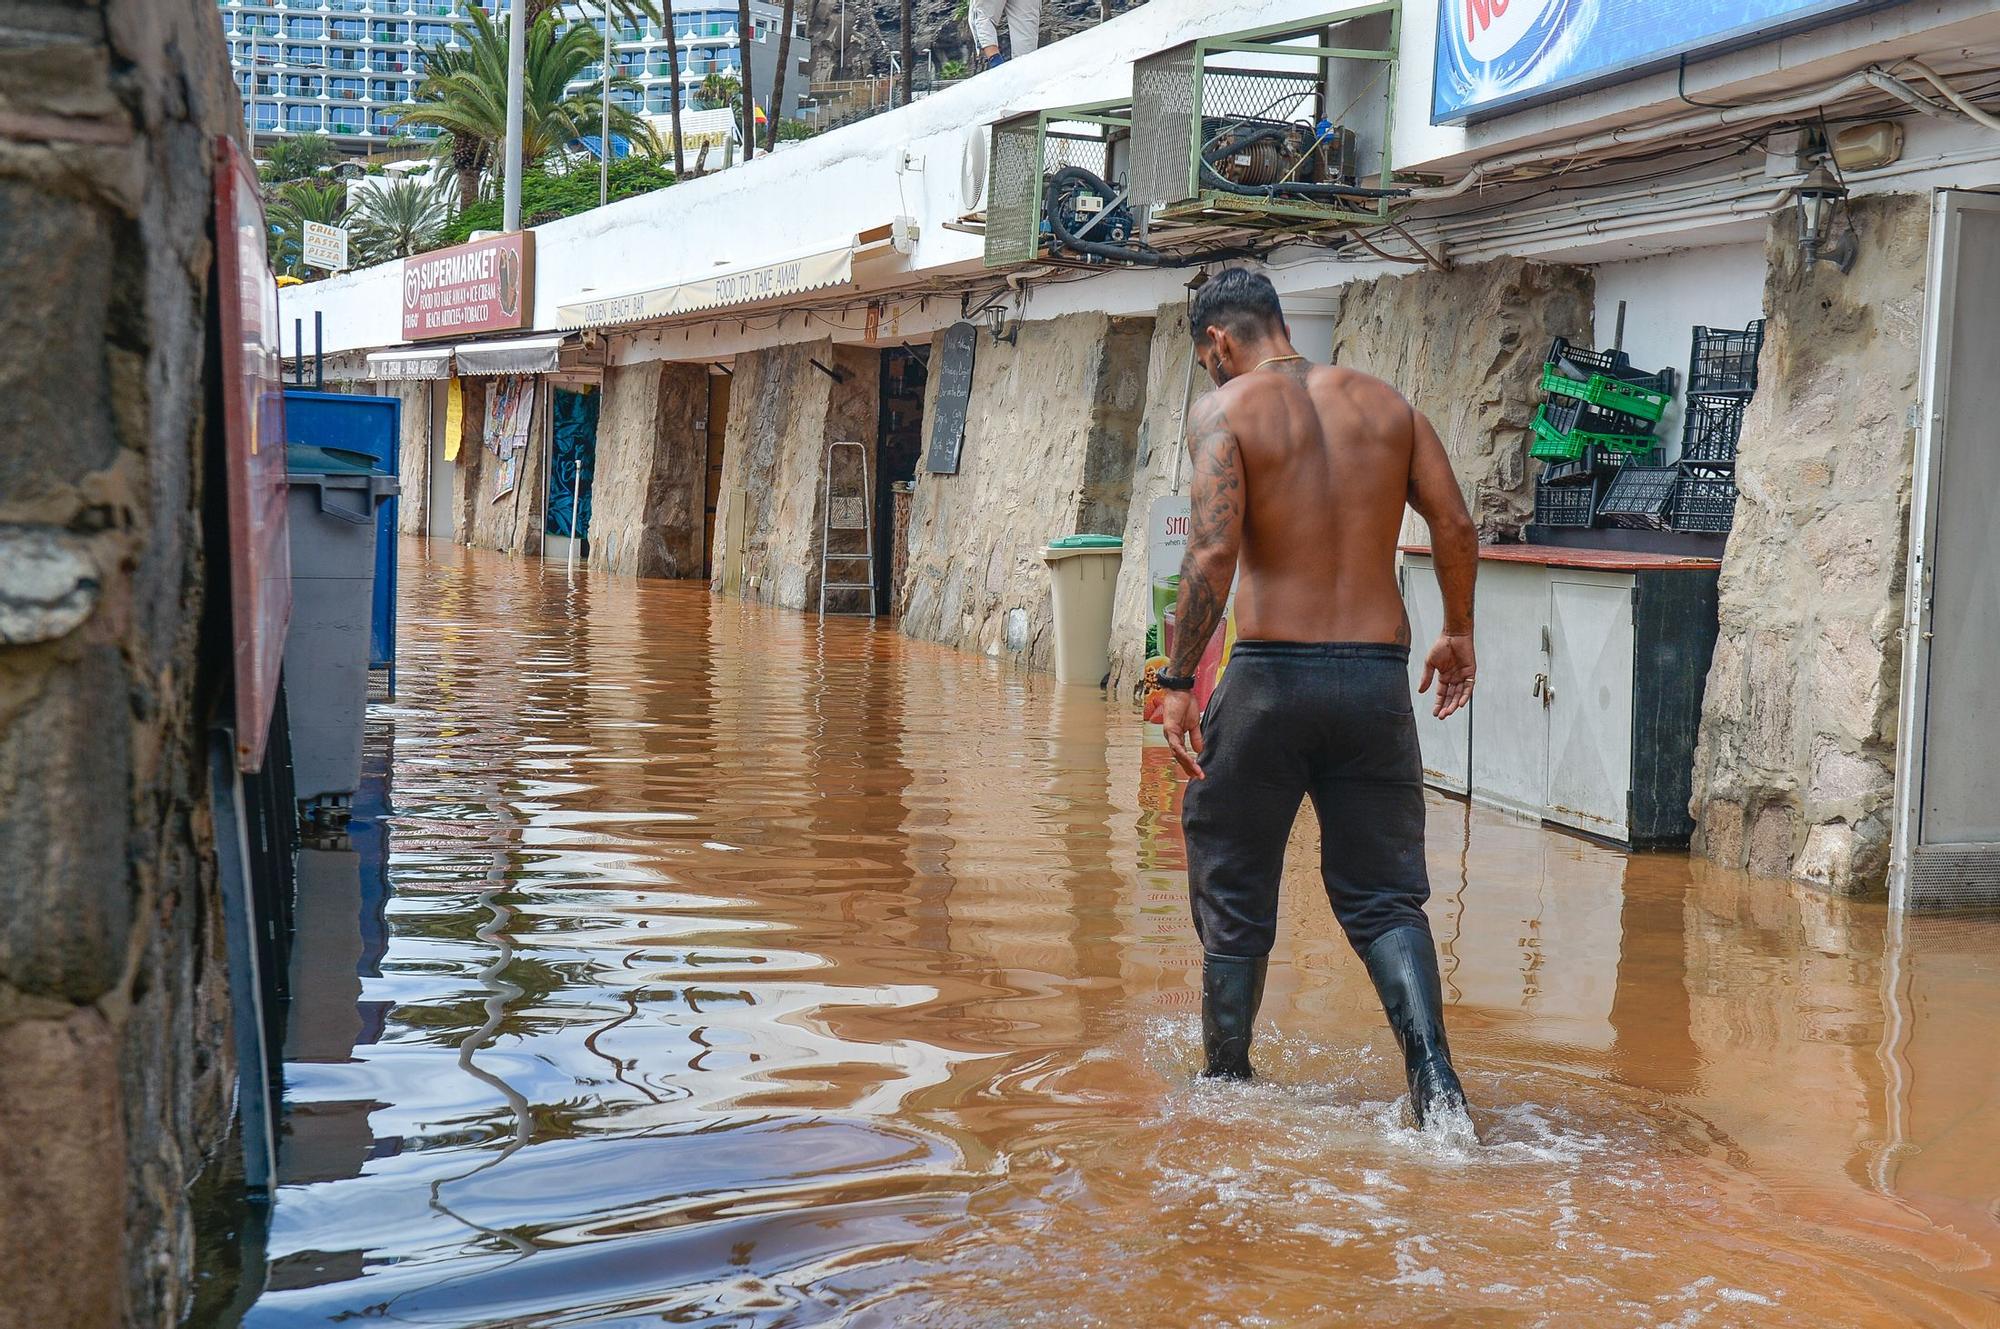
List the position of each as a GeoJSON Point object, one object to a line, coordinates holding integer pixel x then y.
{"type": "Point", "coordinates": [1285, 126]}
{"type": "Point", "coordinates": [1027, 151]}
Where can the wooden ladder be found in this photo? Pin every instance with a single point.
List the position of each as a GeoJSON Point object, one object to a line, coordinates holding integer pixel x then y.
{"type": "Point", "coordinates": [846, 511]}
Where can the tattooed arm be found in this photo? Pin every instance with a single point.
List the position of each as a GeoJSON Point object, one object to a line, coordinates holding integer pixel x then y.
{"type": "Point", "coordinates": [1215, 536]}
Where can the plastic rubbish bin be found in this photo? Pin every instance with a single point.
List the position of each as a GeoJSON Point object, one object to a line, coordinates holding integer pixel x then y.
{"type": "Point", "coordinates": [335, 496]}
{"type": "Point", "coordinates": [1083, 570]}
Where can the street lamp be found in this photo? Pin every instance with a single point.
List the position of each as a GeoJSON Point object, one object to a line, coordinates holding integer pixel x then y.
{"type": "Point", "coordinates": [1821, 196]}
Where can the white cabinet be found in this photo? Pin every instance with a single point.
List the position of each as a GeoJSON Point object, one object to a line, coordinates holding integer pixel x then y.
{"type": "Point", "coordinates": [1447, 743]}
{"type": "Point", "coordinates": [1591, 667]}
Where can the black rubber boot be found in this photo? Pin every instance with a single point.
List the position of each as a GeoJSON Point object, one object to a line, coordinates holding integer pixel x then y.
{"type": "Point", "coordinates": [1232, 987]}
{"type": "Point", "coordinates": [1403, 964]}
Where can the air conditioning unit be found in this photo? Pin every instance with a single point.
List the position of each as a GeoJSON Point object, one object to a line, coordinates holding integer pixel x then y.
{"type": "Point", "coordinates": [1278, 125]}
{"type": "Point", "coordinates": [1055, 188]}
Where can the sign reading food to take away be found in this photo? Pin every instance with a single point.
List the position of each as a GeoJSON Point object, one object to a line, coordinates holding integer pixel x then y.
{"type": "Point", "coordinates": [485, 286]}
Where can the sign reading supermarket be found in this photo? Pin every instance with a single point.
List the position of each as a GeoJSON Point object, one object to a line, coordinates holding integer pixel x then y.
{"type": "Point", "coordinates": [1495, 54]}
{"type": "Point", "coordinates": [485, 286]}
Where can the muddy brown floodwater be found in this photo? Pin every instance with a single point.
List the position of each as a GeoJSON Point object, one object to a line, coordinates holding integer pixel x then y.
{"type": "Point", "coordinates": [729, 968]}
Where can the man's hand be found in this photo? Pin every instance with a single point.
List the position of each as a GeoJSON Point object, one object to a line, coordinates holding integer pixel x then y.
{"type": "Point", "coordinates": [1451, 663]}
{"type": "Point", "coordinates": [1182, 720]}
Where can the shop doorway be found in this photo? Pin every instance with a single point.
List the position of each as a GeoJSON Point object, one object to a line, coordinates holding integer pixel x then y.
{"type": "Point", "coordinates": [572, 459]}
{"type": "Point", "coordinates": [439, 520]}
{"type": "Point", "coordinates": [1948, 750]}
{"type": "Point", "coordinates": [718, 429]}
{"type": "Point", "coordinates": [899, 446]}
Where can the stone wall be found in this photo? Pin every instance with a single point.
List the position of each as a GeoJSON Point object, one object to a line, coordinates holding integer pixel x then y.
{"type": "Point", "coordinates": [651, 470]}
{"type": "Point", "coordinates": [414, 457]}
{"type": "Point", "coordinates": [113, 998]}
{"type": "Point", "coordinates": [511, 523]}
{"type": "Point", "coordinates": [1793, 770]}
{"type": "Point", "coordinates": [784, 407]}
{"type": "Point", "coordinates": [1171, 391]}
{"type": "Point", "coordinates": [1049, 442]}
{"type": "Point", "coordinates": [1466, 348]}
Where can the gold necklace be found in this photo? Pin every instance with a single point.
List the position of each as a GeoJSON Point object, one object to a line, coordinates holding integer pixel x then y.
{"type": "Point", "coordinates": [1274, 359]}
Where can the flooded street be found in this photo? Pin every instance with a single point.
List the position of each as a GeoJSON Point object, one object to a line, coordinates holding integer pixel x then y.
{"type": "Point", "coordinates": [729, 968]}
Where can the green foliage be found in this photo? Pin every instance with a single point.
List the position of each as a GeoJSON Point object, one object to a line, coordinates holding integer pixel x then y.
{"type": "Point", "coordinates": [464, 94]}
{"type": "Point", "coordinates": [297, 158]}
{"type": "Point", "coordinates": [791, 129]}
{"type": "Point", "coordinates": [402, 217]}
{"type": "Point", "coordinates": [293, 205]}
{"type": "Point", "coordinates": [546, 196]}
{"type": "Point", "coordinates": [717, 91]}
{"type": "Point", "coordinates": [953, 69]}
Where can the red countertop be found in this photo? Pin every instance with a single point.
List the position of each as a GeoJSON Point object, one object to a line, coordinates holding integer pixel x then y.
{"type": "Point", "coordinates": [1596, 560]}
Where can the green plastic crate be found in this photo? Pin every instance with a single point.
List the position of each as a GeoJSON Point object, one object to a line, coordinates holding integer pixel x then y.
{"type": "Point", "coordinates": [1608, 393]}
{"type": "Point", "coordinates": [1553, 444]}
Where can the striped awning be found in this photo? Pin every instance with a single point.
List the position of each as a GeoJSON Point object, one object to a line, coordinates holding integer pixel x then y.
{"type": "Point", "coordinates": [820, 270]}
{"type": "Point", "coordinates": [385, 366]}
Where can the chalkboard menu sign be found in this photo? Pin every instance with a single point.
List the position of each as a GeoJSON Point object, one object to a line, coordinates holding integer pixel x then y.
{"type": "Point", "coordinates": [954, 397]}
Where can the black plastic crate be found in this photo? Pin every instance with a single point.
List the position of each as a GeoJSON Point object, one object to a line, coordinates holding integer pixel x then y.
{"type": "Point", "coordinates": [1580, 362]}
{"type": "Point", "coordinates": [1595, 462]}
{"type": "Point", "coordinates": [1704, 500]}
{"type": "Point", "coordinates": [1710, 429]}
{"type": "Point", "coordinates": [1725, 359]}
{"type": "Point", "coordinates": [1566, 504]}
{"type": "Point", "coordinates": [1639, 497]}
{"type": "Point", "coordinates": [1570, 414]}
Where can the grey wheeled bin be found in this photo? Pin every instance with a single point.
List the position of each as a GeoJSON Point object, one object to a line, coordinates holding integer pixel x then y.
{"type": "Point", "coordinates": [335, 499]}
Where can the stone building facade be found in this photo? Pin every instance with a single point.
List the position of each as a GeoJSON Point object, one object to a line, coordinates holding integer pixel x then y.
{"type": "Point", "coordinates": [1049, 446]}
{"type": "Point", "coordinates": [114, 1015]}
{"type": "Point", "coordinates": [651, 471]}
{"type": "Point", "coordinates": [1794, 772]}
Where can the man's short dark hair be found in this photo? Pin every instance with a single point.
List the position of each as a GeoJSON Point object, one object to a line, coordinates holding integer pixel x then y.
{"type": "Point", "coordinates": [1241, 302]}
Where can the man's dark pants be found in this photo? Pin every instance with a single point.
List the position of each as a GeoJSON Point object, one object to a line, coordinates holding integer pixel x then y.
{"type": "Point", "coordinates": [1293, 720]}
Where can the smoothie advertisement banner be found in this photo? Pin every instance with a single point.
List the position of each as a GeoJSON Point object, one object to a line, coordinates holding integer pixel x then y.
{"type": "Point", "coordinates": [1496, 53]}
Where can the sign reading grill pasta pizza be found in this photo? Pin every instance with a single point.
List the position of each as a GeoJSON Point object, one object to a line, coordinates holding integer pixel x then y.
{"type": "Point", "coordinates": [485, 286]}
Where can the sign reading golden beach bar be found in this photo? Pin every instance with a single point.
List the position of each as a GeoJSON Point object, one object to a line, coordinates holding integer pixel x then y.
{"type": "Point", "coordinates": [485, 286]}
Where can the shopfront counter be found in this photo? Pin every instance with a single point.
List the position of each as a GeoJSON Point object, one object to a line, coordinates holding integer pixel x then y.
{"type": "Point", "coordinates": [1591, 669]}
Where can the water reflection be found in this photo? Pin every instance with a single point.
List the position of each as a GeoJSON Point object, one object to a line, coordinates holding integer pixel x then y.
{"type": "Point", "coordinates": [717, 966]}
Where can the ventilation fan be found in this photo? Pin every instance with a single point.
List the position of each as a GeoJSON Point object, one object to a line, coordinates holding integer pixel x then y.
{"type": "Point", "coordinates": [972, 171]}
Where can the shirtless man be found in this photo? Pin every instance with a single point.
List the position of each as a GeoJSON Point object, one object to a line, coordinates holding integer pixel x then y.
{"type": "Point", "coordinates": [1301, 472]}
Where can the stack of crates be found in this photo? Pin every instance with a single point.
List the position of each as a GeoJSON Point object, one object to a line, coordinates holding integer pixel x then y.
{"type": "Point", "coordinates": [1722, 376]}
{"type": "Point", "coordinates": [1596, 420]}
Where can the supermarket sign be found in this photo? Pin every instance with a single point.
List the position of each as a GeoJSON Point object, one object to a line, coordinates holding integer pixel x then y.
{"type": "Point", "coordinates": [486, 286]}
{"type": "Point", "coordinates": [1505, 54]}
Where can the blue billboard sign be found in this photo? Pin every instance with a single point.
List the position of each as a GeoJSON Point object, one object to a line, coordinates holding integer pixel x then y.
{"type": "Point", "coordinates": [1499, 53]}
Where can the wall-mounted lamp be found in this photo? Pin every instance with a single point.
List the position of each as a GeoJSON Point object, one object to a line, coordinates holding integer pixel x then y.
{"type": "Point", "coordinates": [996, 325]}
{"type": "Point", "coordinates": [1822, 197]}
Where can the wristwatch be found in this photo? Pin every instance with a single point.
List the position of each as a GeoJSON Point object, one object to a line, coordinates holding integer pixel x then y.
{"type": "Point", "coordinates": [1175, 682]}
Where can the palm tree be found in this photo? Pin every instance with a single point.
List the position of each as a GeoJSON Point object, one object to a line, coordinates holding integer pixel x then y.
{"type": "Point", "coordinates": [399, 218]}
{"type": "Point", "coordinates": [744, 33]}
{"type": "Point", "coordinates": [674, 88]}
{"type": "Point", "coordinates": [464, 93]}
{"type": "Point", "coordinates": [718, 90]}
{"type": "Point", "coordinates": [778, 80]}
{"type": "Point", "coordinates": [298, 158]}
{"type": "Point", "coordinates": [296, 203]}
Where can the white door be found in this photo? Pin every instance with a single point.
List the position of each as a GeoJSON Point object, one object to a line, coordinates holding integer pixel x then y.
{"type": "Point", "coordinates": [1589, 698]}
{"type": "Point", "coordinates": [1510, 743]}
{"type": "Point", "coordinates": [1948, 749]}
{"type": "Point", "coordinates": [1446, 744]}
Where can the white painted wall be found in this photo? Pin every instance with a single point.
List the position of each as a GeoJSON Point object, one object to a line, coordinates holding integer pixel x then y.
{"type": "Point", "coordinates": [820, 193]}
{"type": "Point", "coordinates": [1667, 296]}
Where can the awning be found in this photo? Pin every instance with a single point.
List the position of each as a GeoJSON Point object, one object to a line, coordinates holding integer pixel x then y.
{"type": "Point", "coordinates": [386, 365]}
{"type": "Point", "coordinates": [522, 355]}
{"type": "Point", "coordinates": [817, 271]}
